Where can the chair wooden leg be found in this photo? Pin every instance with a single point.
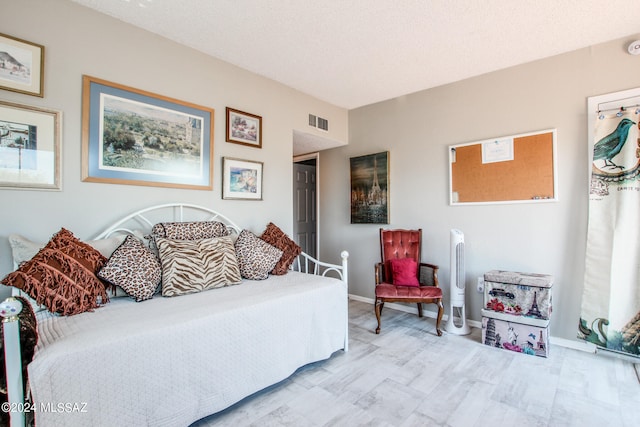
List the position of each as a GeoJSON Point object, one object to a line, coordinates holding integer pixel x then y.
{"type": "Point", "coordinates": [419, 309]}
{"type": "Point", "coordinates": [439, 319]}
{"type": "Point", "coordinates": [379, 305]}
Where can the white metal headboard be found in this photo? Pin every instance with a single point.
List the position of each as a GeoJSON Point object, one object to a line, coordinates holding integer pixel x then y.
{"type": "Point", "coordinates": [144, 219]}
{"type": "Point", "coordinates": [176, 212]}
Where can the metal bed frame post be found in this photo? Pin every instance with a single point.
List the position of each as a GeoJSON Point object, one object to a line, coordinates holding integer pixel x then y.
{"type": "Point", "coordinates": [345, 278]}
{"type": "Point", "coordinates": [9, 310]}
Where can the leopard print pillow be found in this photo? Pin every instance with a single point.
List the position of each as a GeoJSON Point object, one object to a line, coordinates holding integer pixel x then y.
{"type": "Point", "coordinates": [256, 258]}
{"type": "Point", "coordinates": [195, 230]}
{"type": "Point", "coordinates": [134, 268]}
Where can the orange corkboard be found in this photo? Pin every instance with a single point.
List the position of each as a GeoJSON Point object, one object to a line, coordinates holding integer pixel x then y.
{"type": "Point", "coordinates": [529, 176]}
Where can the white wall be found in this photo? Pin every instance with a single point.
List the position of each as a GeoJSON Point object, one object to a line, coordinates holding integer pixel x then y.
{"type": "Point", "coordinates": [80, 41]}
{"type": "Point", "coordinates": [418, 128]}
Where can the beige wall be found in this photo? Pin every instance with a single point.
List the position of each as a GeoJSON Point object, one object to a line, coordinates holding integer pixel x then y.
{"type": "Point", "coordinates": [418, 128]}
{"type": "Point", "coordinates": [79, 41]}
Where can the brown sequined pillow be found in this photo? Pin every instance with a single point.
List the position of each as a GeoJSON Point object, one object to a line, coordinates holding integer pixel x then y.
{"type": "Point", "coordinates": [290, 249]}
{"type": "Point", "coordinates": [134, 268]}
{"type": "Point", "coordinates": [62, 276]}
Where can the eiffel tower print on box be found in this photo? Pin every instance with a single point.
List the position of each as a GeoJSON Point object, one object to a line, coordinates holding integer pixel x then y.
{"type": "Point", "coordinates": [370, 189]}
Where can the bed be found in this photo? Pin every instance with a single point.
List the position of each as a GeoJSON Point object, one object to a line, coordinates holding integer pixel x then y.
{"type": "Point", "coordinates": [170, 361]}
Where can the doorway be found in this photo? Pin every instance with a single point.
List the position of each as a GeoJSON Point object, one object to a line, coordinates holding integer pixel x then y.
{"type": "Point", "coordinates": [305, 203]}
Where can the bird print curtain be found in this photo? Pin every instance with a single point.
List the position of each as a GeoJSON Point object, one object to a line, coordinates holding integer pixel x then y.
{"type": "Point", "coordinates": [610, 314]}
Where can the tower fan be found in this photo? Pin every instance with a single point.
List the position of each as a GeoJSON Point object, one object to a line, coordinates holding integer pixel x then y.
{"type": "Point", "coordinates": [457, 323]}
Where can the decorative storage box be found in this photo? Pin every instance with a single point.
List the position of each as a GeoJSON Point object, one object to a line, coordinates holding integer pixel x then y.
{"type": "Point", "coordinates": [502, 331]}
{"type": "Point", "coordinates": [518, 294]}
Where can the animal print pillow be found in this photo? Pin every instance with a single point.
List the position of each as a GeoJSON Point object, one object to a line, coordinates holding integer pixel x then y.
{"type": "Point", "coordinates": [134, 268]}
{"type": "Point", "coordinates": [256, 257]}
{"type": "Point", "coordinates": [190, 266]}
{"type": "Point", "coordinates": [194, 230]}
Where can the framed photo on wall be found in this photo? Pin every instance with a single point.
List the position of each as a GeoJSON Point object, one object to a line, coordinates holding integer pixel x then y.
{"type": "Point", "coordinates": [244, 128]}
{"type": "Point", "coordinates": [130, 136]}
{"type": "Point", "coordinates": [370, 189]}
{"type": "Point", "coordinates": [21, 66]}
{"type": "Point", "coordinates": [29, 147]}
{"type": "Point", "coordinates": [241, 179]}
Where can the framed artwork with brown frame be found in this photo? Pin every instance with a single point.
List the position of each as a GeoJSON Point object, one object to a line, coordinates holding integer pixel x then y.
{"type": "Point", "coordinates": [29, 147]}
{"type": "Point", "coordinates": [241, 179]}
{"type": "Point", "coordinates": [244, 128]}
{"type": "Point", "coordinates": [135, 137]}
{"type": "Point", "coordinates": [21, 66]}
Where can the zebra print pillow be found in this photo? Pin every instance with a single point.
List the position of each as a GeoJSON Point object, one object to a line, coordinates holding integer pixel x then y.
{"type": "Point", "coordinates": [190, 266]}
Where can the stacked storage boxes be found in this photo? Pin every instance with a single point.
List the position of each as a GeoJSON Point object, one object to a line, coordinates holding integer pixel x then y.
{"type": "Point", "coordinates": [517, 307]}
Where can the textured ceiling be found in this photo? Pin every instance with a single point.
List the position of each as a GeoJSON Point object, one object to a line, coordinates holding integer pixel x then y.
{"type": "Point", "coordinates": [357, 52]}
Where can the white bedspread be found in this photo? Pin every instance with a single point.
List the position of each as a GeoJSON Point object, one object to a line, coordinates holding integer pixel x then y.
{"type": "Point", "coordinates": [172, 361]}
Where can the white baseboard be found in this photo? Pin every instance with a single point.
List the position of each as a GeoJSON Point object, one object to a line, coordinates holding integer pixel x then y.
{"type": "Point", "coordinates": [413, 309]}
{"type": "Point", "coordinates": [562, 342]}
{"type": "Point", "coordinates": [576, 345]}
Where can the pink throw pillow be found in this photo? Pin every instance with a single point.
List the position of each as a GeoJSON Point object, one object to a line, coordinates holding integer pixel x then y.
{"type": "Point", "coordinates": [405, 272]}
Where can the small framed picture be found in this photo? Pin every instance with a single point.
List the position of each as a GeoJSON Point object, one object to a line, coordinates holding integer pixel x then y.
{"type": "Point", "coordinates": [21, 66]}
{"type": "Point", "coordinates": [29, 147]}
{"type": "Point", "coordinates": [241, 179]}
{"type": "Point", "coordinates": [244, 128]}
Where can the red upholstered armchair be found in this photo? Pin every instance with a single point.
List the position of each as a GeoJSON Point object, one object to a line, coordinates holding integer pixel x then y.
{"type": "Point", "coordinates": [401, 277]}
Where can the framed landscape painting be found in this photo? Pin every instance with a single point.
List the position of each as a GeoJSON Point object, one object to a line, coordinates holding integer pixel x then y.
{"type": "Point", "coordinates": [244, 128]}
{"type": "Point", "coordinates": [370, 189]}
{"type": "Point", "coordinates": [130, 136]}
{"type": "Point", "coordinates": [241, 179]}
{"type": "Point", "coordinates": [21, 66]}
{"type": "Point", "coordinates": [29, 147]}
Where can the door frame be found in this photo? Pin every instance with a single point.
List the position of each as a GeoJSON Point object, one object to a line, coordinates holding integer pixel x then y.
{"type": "Point", "coordinates": [302, 158]}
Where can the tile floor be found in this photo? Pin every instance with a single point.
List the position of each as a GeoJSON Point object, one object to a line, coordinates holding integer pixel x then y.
{"type": "Point", "coordinates": [408, 376]}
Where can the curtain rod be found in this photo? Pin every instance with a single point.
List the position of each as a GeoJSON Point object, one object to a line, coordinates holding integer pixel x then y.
{"type": "Point", "coordinates": [620, 109]}
{"type": "Point", "coordinates": [621, 104]}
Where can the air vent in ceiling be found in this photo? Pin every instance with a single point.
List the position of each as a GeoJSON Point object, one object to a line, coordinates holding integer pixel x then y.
{"type": "Point", "coordinates": [318, 122]}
